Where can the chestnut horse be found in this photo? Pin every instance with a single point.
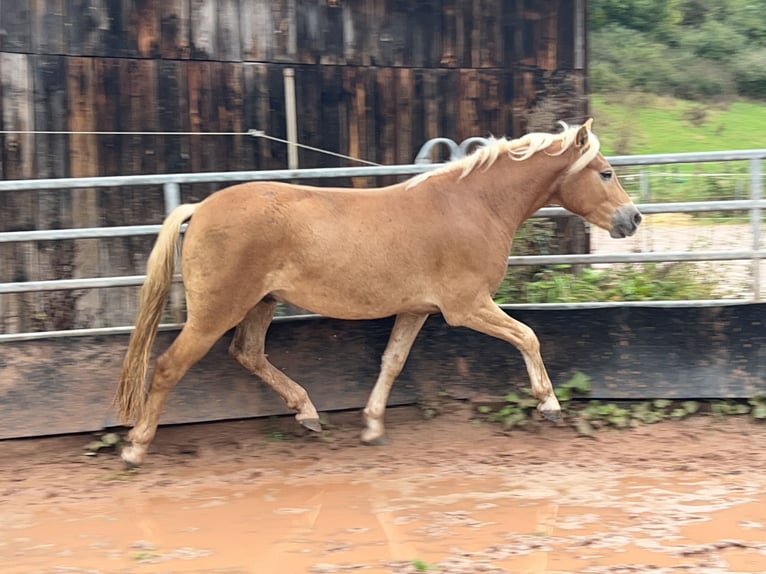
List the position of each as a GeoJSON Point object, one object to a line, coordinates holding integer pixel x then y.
{"type": "Point", "coordinates": [437, 243]}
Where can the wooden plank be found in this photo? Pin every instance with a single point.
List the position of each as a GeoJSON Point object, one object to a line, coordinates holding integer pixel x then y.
{"type": "Point", "coordinates": [173, 116]}
{"type": "Point", "coordinates": [256, 111]}
{"type": "Point", "coordinates": [490, 103]}
{"type": "Point", "coordinates": [331, 125]}
{"type": "Point", "coordinates": [258, 30]}
{"type": "Point", "coordinates": [109, 115]}
{"type": "Point", "coordinates": [565, 40]}
{"type": "Point", "coordinates": [16, 17]}
{"type": "Point", "coordinates": [468, 103]}
{"type": "Point", "coordinates": [487, 36]}
{"type": "Point", "coordinates": [135, 81]}
{"type": "Point", "coordinates": [17, 114]}
{"type": "Point", "coordinates": [330, 39]}
{"type": "Point", "coordinates": [48, 26]}
{"type": "Point", "coordinates": [356, 85]}
{"type": "Point", "coordinates": [385, 117]}
{"type": "Point", "coordinates": [449, 45]}
{"type": "Point", "coordinates": [143, 28]}
{"type": "Point", "coordinates": [175, 21]}
{"type": "Point", "coordinates": [405, 152]}
{"type": "Point", "coordinates": [449, 84]}
{"type": "Point", "coordinates": [547, 49]}
{"type": "Point", "coordinates": [230, 80]}
{"type": "Point", "coordinates": [94, 27]}
{"type": "Point", "coordinates": [65, 385]}
{"type": "Point", "coordinates": [203, 117]}
{"type": "Point", "coordinates": [17, 209]}
{"type": "Point", "coordinates": [55, 259]}
{"type": "Point", "coordinates": [204, 29]}
{"type": "Point", "coordinates": [228, 29]}
{"type": "Point", "coordinates": [84, 156]}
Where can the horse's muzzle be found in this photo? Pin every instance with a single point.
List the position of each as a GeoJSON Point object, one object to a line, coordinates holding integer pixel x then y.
{"type": "Point", "coordinates": [625, 221]}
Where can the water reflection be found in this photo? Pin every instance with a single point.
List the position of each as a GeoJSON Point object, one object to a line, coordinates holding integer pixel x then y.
{"type": "Point", "coordinates": [495, 522]}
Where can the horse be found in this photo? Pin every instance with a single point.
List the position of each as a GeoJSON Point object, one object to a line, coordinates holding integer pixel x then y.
{"type": "Point", "coordinates": [436, 243]}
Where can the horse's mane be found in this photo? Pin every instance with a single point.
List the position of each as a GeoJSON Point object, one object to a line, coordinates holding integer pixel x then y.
{"type": "Point", "coordinates": [519, 150]}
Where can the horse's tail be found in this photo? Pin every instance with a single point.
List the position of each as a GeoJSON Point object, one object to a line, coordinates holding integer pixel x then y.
{"type": "Point", "coordinates": [131, 392]}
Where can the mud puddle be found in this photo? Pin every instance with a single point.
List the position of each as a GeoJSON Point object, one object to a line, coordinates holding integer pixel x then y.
{"type": "Point", "coordinates": [540, 519]}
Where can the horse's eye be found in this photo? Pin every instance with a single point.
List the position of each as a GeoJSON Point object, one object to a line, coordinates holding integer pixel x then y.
{"type": "Point", "coordinates": [606, 175]}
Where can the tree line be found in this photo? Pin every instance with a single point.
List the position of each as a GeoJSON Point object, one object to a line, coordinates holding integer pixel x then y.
{"type": "Point", "coordinates": [693, 49]}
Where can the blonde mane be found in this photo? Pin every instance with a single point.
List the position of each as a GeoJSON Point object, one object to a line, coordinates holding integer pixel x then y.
{"type": "Point", "coordinates": [519, 150]}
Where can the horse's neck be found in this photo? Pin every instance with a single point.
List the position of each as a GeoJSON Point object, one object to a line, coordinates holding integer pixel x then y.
{"type": "Point", "coordinates": [514, 190]}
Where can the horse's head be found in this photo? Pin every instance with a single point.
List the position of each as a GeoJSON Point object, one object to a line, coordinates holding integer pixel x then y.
{"type": "Point", "coordinates": [590, 188]}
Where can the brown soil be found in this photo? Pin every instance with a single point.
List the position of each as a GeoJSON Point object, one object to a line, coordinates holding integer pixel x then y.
{"type": "Point", "coordinates": [447, 495]}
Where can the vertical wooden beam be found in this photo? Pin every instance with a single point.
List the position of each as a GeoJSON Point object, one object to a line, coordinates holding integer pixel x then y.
{"type": "Point", "coordinates": [84, 161]}
{"type": "Point", "coordinates": [228, 29]}
{"type": "Point", "coordinates": [258, 29]}
{"type": "Point", "coordinates": [405, 93]}
{"type": "Point", "coordinates": [143, 28]}
{"type": "Point", "coordinates": [175, 21]}
{"type": "Point", "coordinates": [204, 29]}
{"type": "Point", "coordinates": [48, 26]}
{"type": "Point", "coordinates": [230, 94]}
{"type": "Point", "coordinates": [16, 17]}
{"type": "Point", "coordinates": [17, 208]}
{"type": "Point", "coordinates": [173, 116]}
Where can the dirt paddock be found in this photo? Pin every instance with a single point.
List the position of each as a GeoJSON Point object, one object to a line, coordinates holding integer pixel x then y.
{"type": "Point", "coordinates": [447, 495]}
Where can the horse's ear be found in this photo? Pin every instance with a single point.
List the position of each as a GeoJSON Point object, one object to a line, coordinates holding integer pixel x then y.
{"type": "Point", "coordinates": [582, 134]}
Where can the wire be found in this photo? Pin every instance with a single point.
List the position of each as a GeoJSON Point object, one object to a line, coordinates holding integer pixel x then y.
{"type": "Point", "coordinates": [254, 133]}
{"type": "Point", "coordinates": [94, 133]}
{"type": "Point", "coordinates": [260, 134]}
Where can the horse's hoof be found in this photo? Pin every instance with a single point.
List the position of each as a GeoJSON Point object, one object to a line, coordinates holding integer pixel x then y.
{"type": "Point", "coordinates": [553, 416]}
{"type": "Point", "coordinates": [381, 440]}
{"type": "Point", "coordinates": [132, 457]}
{"type": "Point", "coordinates": [312, 424]}
{"type": "Point", "coordinates": [550, 409]}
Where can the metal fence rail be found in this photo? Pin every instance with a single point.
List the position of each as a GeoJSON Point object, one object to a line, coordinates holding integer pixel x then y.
{"type": "Point", "coordinates": [171, 186]}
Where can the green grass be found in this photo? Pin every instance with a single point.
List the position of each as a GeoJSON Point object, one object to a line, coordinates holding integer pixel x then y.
{"type": "Point", "coordinates": [638, 123]}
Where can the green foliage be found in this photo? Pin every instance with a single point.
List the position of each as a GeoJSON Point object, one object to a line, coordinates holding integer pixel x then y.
{"type": "Point", "coordinates": [750, 73]}
{"type": "Point", "coordinates": [758, 405]}
{"type": "Point", "coordinates": [422, 566]}
{"type": "Point", "coordinates": [587, 416]}
{"type": "Point", "coordinates": [639, 282]}
{"type": "Point", "coordinates": [656, 17]}
{"type": "Point", "coordinates": [686, 48]}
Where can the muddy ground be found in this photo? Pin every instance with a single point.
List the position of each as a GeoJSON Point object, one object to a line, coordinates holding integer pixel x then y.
{"type": "Point", "coordinates": [447, 495]}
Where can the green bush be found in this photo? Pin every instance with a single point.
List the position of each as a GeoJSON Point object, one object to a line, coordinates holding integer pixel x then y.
{"type": "Point", "coordinates": [685, 48]}
{"type": "Point", "coordinates": [637, 282]}
{"type": "Point", "coordinates": [750, 73]}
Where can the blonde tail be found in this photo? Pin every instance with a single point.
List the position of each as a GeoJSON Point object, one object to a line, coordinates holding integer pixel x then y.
{"type": "Point", "coordinates": [131, 392]}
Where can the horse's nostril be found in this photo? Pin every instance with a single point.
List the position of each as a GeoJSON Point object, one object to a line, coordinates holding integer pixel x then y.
{"type": "Point", "coordinates": [637, 218]}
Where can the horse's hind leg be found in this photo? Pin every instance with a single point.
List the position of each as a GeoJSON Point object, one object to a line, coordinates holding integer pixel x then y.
{"type": "Point", "coordinates": [188, 348]}
{"type": "Point", "coordinates": [248, 348]}
{"type": "Point", "coordinates": [492, 320]}
{"type": "Point", "coordinates": [406, 328]}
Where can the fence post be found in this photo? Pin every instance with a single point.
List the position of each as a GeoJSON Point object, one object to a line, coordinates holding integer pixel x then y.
{"type": "Point", "coordinates": [644, 185]}
{"type": "Point", "coordinates": [172, 191]}
{"type": "Point", "coordinates": [756, 192]}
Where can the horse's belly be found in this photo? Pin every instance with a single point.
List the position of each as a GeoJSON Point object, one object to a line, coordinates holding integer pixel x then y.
{"type": "Point", "coordinates": [347, 305]}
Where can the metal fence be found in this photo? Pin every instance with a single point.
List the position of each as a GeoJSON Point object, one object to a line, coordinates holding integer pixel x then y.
{"type": "Point", "coordinates": [172, 194]}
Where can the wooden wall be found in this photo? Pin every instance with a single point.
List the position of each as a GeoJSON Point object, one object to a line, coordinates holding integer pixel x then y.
{"type": "Point", "coordinates": [374, 79]}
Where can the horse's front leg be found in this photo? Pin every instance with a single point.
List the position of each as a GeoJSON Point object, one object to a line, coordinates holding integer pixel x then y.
{"type": "Point", "coordinates": [406, 328]}
{"type": "Point", "coordinates": [488, 318]}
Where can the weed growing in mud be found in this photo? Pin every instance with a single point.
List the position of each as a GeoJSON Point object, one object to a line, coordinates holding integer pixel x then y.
{"type": "Point", "coordinates": [518, 410]}
{"type": "Point", "coordinates": [422, 566]}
